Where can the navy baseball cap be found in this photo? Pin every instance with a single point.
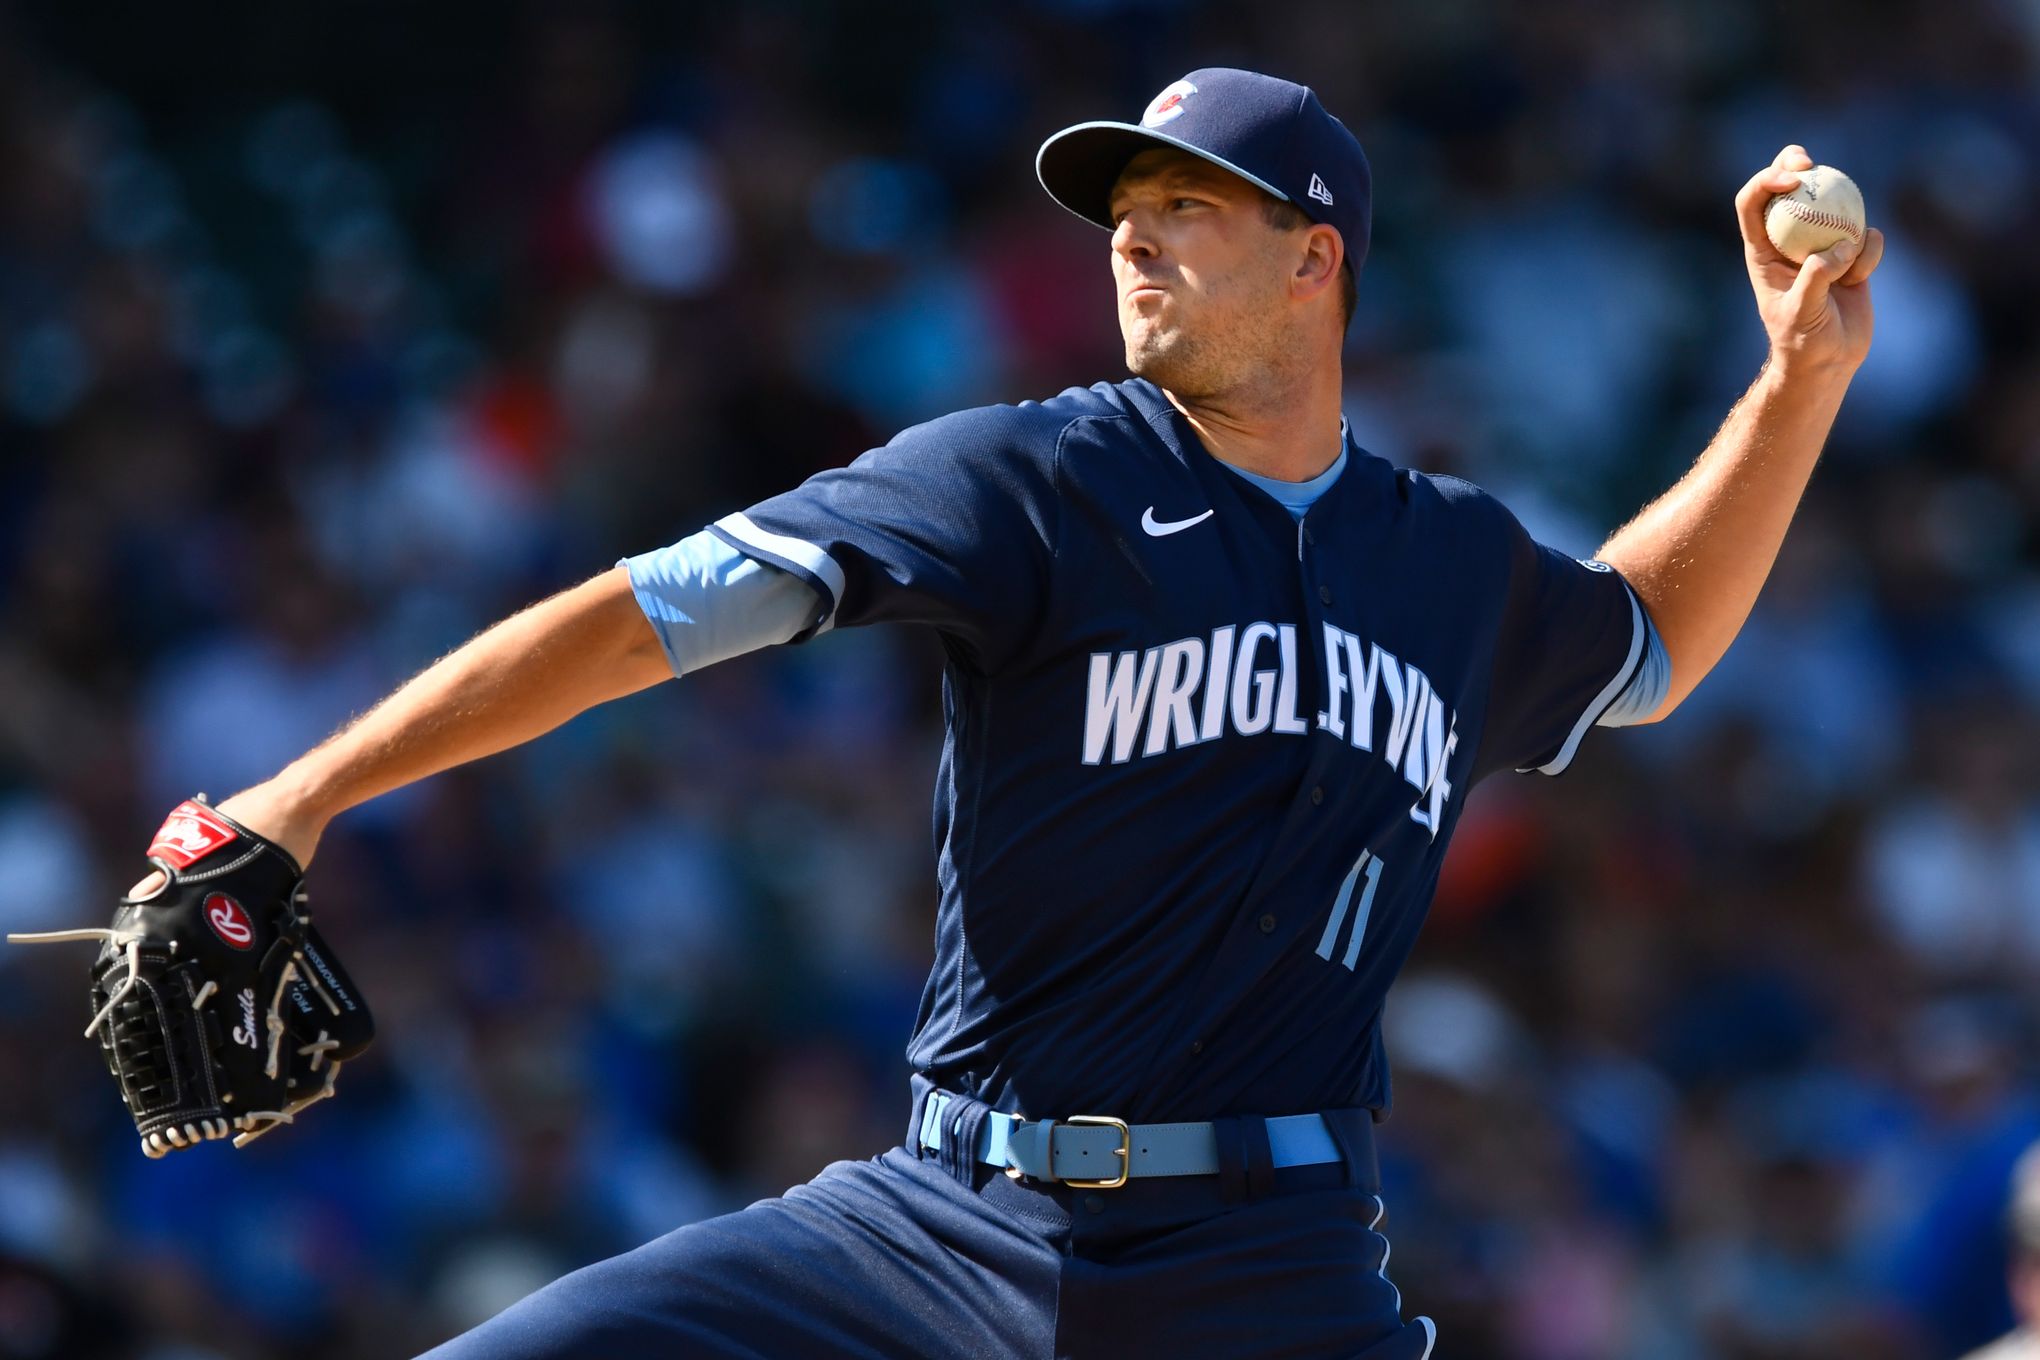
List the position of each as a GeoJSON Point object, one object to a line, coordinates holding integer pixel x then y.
{"type": "Point", "coordinates": [1269, 132]}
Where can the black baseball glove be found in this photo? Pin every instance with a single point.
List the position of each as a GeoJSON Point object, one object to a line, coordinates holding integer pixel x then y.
{"type": "Point", "coordinates": [216, 1004]}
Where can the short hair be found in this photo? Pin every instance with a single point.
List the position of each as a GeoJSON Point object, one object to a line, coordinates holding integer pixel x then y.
{"type": "Point", "coordinates": [1283, 215]}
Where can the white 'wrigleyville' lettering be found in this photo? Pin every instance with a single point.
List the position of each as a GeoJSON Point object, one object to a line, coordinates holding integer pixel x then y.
{"type": "Point", "coordinates": [1182, 693]}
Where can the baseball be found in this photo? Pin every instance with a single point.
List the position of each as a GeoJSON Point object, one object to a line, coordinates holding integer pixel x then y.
{"type": "Point", "coordinates": [1826, 208]}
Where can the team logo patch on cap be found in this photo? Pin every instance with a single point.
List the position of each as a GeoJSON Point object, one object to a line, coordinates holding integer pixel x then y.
{"type": "Point", "coordinates": [1168, 104]}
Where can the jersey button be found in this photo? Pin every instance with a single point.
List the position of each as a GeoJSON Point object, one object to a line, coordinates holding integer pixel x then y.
{"type": "Point", "coordinates": [1196, 1047]}
{"type": "Point", "coordinates": [1268, 923]}
{"type": "Point", "coordinates": [1317, 794]}
{"type": "Point", "coordinates": [1324, 594]}
{"type": "Point", "coordinates": [1308, 536]}
{"type": "Point", "coordinates": [1094, 1204]}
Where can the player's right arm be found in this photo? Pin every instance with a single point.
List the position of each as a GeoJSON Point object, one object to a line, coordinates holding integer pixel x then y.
{"type": "Point", "coordinates": [1699, 554]}
{"type": "Point", "coordinates": [515, 681]}
{"type": "Point", "coordinates": [943, 526]}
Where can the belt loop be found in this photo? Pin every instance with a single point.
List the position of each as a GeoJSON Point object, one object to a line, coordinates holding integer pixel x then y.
{"type": "Point", "coordinates": [1353, 1131]}
{"type": "Point", "coordinates": [962, 1121]}
{"type": "Point", "coordinates": [924, 1094]}
{"type": "Point", "coordinates": [931, 1115]}
{"type": "Point", "coordinates": [1232, 1160]}
{"type": "Point", "coordinates": [1260, 1157]}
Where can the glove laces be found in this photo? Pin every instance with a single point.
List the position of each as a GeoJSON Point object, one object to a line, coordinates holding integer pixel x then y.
{"type": "Point", "coordinates": [125, 944]}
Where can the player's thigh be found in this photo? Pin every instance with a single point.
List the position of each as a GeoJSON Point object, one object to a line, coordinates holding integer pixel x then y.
{"type": "Point", "coordinates": [1302, 1277]}
{"type": "Point", "coordinates": [879, 1259]}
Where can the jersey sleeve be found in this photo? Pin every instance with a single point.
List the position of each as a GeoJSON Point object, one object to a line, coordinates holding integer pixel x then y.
{"type": "Point", "coordinates": [951, 524]}
{"type": "Point", "coordinates": [1647, 689]}
{"type": "Point", "coordinates": [1571, 640]}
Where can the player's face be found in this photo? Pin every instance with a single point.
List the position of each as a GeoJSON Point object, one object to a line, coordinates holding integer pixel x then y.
{"type": "Point", "coordinates": [1202, 276]}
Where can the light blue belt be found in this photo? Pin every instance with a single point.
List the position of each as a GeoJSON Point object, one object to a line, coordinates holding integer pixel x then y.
{"type": "Point", "coordinates": [1100, 1152]}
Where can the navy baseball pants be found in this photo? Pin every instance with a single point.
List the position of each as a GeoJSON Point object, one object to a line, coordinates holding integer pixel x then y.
{"type": "Point", "coordinates": [925, 1255]}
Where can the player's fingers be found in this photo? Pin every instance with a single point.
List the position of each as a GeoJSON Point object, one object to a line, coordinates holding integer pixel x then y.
{"type": "Point", "coordinates": [1781, 176]}
{"type": "Point", "coordinates": [1820, 272]}
{"type": "Point", "coordinates": [148, 887]}
{"type": "Point", "coordinates": [1750, 202]}
{"type": "Point", "coordinates": [1793, 156]}
{"type": "Point", "coordinates": [1866, 262]}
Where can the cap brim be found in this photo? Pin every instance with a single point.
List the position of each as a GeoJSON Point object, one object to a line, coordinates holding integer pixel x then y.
{"type": "Point", "coordinates": [1079, 165]}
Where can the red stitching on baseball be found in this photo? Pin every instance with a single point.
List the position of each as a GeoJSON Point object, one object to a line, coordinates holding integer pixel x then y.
{"type": "Point", "coordinates": [1819, 218]}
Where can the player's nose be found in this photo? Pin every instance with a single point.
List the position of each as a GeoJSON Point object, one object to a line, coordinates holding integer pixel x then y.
{"type": "Point", "coordinates": [1130, 240]}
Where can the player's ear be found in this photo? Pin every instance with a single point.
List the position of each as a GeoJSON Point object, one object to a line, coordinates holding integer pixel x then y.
{"type": "Point", "coordinates": [1317, 268]}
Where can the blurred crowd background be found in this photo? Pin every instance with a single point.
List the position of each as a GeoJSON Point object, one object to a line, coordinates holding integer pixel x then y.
{"type": "Point", "coordinates": [331, 333]}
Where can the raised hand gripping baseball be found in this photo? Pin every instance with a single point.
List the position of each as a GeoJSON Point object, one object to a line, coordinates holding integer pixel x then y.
{"type": "Point", "coordinates": [1817, 313]}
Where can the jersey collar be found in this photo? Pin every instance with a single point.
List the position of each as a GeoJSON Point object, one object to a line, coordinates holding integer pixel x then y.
{"type": "Point", "coordinates": [1222, 483]}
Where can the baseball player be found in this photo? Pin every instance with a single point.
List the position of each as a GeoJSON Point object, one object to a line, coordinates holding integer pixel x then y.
{"type": "Point", "coordinates": [1217, 681]}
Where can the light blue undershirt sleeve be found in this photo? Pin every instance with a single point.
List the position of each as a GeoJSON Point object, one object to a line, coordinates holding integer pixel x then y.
{"type": "Point", "coordinates": [1647, 688]}
{"type": "Point", "coordinates": [708, 602]}
{"type": "Point", "coordinates": [1296, 497]}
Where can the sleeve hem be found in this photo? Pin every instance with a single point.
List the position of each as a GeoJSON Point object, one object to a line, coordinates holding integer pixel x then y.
{"type": "Point", "coordinates": [1606, 698]}
{"type": "Point", "coordinates": [644, 600]}
{"type": "Point", "coordinates": [795, 556]}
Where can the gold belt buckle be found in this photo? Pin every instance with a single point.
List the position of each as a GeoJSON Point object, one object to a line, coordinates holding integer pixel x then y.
{"type": "Point", "coordinates": [1124, 1151]}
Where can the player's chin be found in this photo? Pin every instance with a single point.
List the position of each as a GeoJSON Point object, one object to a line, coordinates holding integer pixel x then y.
{"type": "Point", "coordinates": [1144, 361]}
{"type": "Point", "coordinates": [1148, 347]}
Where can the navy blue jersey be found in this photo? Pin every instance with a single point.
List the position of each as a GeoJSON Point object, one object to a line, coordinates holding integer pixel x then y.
{"type": "Point", "coordinates": [1202, 759]}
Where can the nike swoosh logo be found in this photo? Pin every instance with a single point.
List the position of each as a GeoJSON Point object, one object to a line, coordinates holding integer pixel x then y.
{"type": "Point", "coordinates": [1157, 529]}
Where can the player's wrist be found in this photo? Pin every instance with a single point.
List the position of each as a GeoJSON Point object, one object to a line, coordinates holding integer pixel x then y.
{"type": "Point", "coordinates": [1800, 369]}
{"type": "Point", "coordinates": [289, 811]}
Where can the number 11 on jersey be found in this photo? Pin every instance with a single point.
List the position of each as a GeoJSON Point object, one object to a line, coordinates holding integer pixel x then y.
{"type": "Point", "coordinates": [1368, 865]}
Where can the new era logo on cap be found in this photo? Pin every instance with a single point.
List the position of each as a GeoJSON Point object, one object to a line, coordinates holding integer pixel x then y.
{"type": "Point", "coordinates": [1272, 133]}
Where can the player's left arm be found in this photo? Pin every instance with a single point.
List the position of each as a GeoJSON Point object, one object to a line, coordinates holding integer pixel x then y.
{"type": "Point", "coordinates": [1698, 555]}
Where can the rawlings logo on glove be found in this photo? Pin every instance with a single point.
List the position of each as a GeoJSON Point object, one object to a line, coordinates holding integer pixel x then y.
{"type": "Point", "coordinates": [228, 921]}
{"type": "Point", "coordinates": [190, 833]}
{"type": "Point", "coordinates": [217, 1006]}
